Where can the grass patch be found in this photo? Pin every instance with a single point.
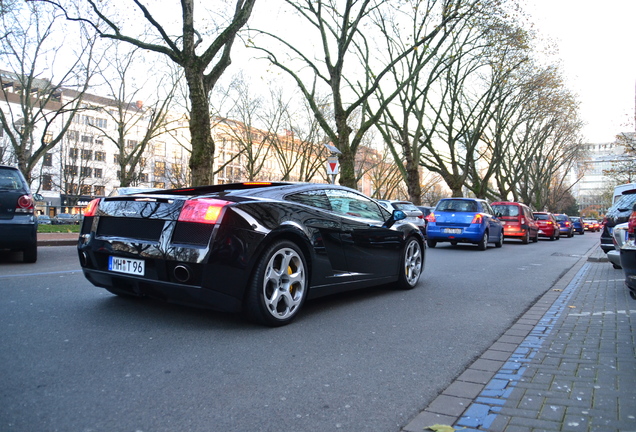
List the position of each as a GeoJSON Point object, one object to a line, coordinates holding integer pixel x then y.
{"type": "Point", "coordinates": [58, 228]}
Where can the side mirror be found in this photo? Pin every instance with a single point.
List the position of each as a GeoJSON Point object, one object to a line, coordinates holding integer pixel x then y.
{"type": "Point", "coordinates": [38, 197]}
{"type": "Point", "coordinates": [397, 215]}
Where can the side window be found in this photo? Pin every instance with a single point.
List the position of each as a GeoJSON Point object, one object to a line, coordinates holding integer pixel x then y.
{"type": "Point", "coordinates": [487, 208]}
{"type": "Point", "coordinates": [316, 198]}
{"type": "Point", "coordinates": [351, 204]}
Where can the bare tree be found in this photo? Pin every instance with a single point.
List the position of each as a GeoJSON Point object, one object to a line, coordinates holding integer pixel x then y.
{"type": "Point", "coordinates": [623, 170]}
{"type": "Point", "coordinates": [202, 65]}
{"type": "Point", "coordinates": [39, 110]}
{"type": "Point", "coordinates": [136, 124]}
{"type": "Point", "coordinates": [349, 63]}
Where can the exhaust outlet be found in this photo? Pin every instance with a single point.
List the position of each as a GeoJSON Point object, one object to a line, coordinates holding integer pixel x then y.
{"type": "Point", "coordinates": [181, 273]}
{"type": "Point", "coordinates": [83, 258]}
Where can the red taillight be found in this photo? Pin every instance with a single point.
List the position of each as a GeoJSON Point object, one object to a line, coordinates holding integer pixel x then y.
{"type": "Point", "coordinates": [431, 217]}
{"type": "Point", "coordinates": [25, 204]}
{"type": "Point", "coordinates": [204, 210]}
{"type": "Point", "coordinates": [631, 224]}
{"type": "Point", "coordinates": [91, 208]}
{"type": "Point", "coordinates": [567, 224]}
{"type": "Point", "coordinates": [420, 217]}
{"type": "Point", "coordinates": [477, 219]}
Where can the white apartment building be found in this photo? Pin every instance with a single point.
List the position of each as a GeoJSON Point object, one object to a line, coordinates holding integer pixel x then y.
{"type": "Point", "coordinates": [594, 184]}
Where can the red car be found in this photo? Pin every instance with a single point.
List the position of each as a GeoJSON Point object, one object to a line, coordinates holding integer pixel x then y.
{"type": "Point", "coordinates": [518, 221]}
{"type": "Point", "coordinates": [548, 225]}
{"type": "Point", "coordinates": [591, 225]}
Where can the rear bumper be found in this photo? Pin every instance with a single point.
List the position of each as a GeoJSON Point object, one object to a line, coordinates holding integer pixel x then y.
{"type": "Point", "coordinates": [18, 233]}
{"type": "Point", "coordinates": [166, 291]}
{"type": "Point", "coordinates": [628, 262]}
{"type": "Point", "coordinates": [470, 234]}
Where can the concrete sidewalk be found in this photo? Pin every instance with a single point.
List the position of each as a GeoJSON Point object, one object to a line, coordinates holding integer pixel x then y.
{"type": "Point", "coordinates": [568, 364]}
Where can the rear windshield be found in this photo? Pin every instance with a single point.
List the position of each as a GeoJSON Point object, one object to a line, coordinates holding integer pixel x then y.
{"type": "Point", "coordinates": [10, 180]}
{"type": "Point", "coordinates": [561, 217]}
{"type": "Point", "coordinates": [539, 216]}
{"type": "Point", "coordinates": [506, 209]}
{"type": "Point", "coordinates": [405, 206]}
{"type": "Point", "coordinates": [457, 205]}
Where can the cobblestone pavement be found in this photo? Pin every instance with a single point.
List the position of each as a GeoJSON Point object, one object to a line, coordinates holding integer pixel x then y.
{"type": "Point", "coordinates": [568, 364]}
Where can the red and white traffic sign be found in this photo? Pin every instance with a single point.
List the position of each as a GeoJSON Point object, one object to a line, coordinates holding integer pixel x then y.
{"type": "Point", "coordinates": [332, 165]}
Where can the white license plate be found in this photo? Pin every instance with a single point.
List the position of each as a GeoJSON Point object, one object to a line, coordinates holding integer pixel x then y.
{"type": "Point", "coordinates": [452, 230]}
{"type": "Point", "coordinates": [126, 265]}
{"type": "Point", "coordinates": [541, 232]}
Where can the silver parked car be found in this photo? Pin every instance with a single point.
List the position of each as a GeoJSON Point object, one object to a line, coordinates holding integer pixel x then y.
{"type": "Point", "coordinates": [619, 236]}
{"type": "Point", "coordinates": [413, 214]}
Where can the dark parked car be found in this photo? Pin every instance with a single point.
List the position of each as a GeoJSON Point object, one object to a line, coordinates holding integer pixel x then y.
{"type": "Point", "coordinates": [616, 214]}
{"type": "Point", "coordinates": [565, 225]}
{"type": "Point", "coordinates": [577, 224]}
{"type": "Point", "coordinates": [464, 220]}
{"type": "Point", "coordinates": [260, 248]}
{"type": "Point", "coordinates": [628, 254]}
{"type": "Point", "coordinates": [18, 224]}
{"type": "Point", "coordinates": [548, 225]}
{"type": "Point", "coordinates": [518, 220]}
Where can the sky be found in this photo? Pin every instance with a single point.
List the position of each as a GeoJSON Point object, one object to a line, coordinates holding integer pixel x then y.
{"type": "Point", "coordinates": [597, 48]}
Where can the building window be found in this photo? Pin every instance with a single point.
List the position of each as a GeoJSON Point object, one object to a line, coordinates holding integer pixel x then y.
{"type": "Point", "coordinates": [87, 154]}
{"type": "Point", "coordinates": [85, 190]}
{"type": "Point", "coordinates": [116, 158]}
{"type": "Point", "coordinates": [72, 135]}
{"type": "Point", "coordinates": [73, 153]}
{"type": "Point", "coordinates": [160, 148]}
{"type": "Point", "coordinates": [143, 177]}
{"type": "Point", "coordinates": [160, 169]}
{"type": "Point", "coordinates": [99, 190]}
{"type": "Point", "coordinates": [159, 185]}
{"type": "Point", "coordinates": [47, 182]}
{"type": "Point", "coordinates": [100, 156]}
{"type": "Point", "coordinates": [47, 161]}
{"type": "Point", "coordinates": [97, 173]}
{"type": "Point", "coordinates": [86, 171]}
{"type": "Point", "coordinates": [131, 144]}
{"type": "Point", "coordinates": [70, 170]}
{"type": "Point", "coordinates": [87, 139]}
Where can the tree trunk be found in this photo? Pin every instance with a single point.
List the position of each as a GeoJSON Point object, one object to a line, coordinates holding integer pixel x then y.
{"type": "Point", "coordinates": [202, 158]}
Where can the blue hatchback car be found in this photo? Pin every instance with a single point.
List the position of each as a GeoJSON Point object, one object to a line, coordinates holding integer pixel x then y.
{"type": "Point", "coordinates": [464, 220]}
{"type": "Point", "coordinates": [577, 224]}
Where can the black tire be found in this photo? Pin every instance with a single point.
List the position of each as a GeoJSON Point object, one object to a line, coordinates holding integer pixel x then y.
{"type": "Point", "coordinates": [279, 286]}
{"type": "Point", "coordinates": [411, 264]}
{"type": "Point", "coordinates": [616, 266]}
{"type": "Point", "coordinates": [483, 243]}
{"type": "Point", "coordinates": [499, 243]}
{"type": "Point", "coordinates": [526, 238]}
{"type": "Point", "coordinates": [535, 239]}
{"type": "Point", "coordinates": [30, 254]}
{"type": "Point", "coordinates": [431, 243]}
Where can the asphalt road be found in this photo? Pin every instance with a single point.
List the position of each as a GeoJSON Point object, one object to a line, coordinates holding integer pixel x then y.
{"type": "Point", "coordinates": [76, 358]}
